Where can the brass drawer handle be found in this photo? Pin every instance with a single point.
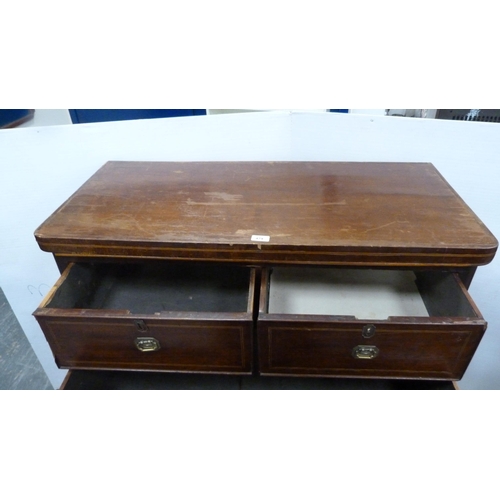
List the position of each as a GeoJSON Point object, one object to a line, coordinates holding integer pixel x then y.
{"type": "Point", "coordinates": [147, 344]}
{"type": "Point", "coordinates": [365, 352]}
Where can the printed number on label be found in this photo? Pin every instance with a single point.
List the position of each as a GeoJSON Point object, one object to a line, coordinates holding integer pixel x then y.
{"type": "Point", "coordinates": [259, 237]}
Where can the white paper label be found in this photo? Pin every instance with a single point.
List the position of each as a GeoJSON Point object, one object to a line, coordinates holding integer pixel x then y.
{"type": "Point", "coordinates": [260, 237]}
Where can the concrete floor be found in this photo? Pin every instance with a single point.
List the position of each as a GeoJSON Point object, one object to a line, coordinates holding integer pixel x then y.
{"type": "Point", "coordinates": [19, 366]}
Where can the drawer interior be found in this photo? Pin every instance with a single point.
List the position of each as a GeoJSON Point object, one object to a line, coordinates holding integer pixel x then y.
{"type": "Point", "coordinates": [151, 287]}
{"type": "Point", "coordinates": [366, 293]}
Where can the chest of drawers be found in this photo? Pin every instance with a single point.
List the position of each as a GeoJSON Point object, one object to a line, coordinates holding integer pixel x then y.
{"type": "Point", "coordinates": [266, 268]}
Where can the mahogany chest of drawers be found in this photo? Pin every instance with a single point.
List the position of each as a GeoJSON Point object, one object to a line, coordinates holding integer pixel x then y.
{"type": "Point", "coordinates": [266, 268]}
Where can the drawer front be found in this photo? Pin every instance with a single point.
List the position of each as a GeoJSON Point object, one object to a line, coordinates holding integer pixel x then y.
{"type": "Point", "coordinates": [150, 344]}
{"type": "Point", "coordinates": [384, 324]}
{"type": "Point", "coordinates": [158, 316]}
{"type": "Point", "coordinates": [339, 349]}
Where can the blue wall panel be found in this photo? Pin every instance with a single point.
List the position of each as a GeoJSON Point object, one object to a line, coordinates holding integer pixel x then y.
{"type": "Point", "coordinates": [108, 115]}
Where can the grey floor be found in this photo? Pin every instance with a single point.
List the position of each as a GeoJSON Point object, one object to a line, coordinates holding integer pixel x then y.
{"type": "Point", "coordinates": [19, 366]}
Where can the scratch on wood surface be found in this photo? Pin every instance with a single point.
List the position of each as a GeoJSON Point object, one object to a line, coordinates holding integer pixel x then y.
{"type": "Point", "coordinates": [244, 232]}
{"type": "Point", "coordinates": [387, 225]}
{"type": "Point", "coordinates": [250, 232]}
{"type": "Point", "coordinates": [216, 195]}
{"type": "Point", "coordinates": [259, 203]}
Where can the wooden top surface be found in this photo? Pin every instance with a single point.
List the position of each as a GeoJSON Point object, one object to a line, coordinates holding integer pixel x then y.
{"type": "Point", "coordinates": [388, 214]}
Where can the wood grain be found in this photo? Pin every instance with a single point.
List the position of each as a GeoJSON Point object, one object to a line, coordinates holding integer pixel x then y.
{"type": "Point", "coordinates": [333, 213]}
{"type": "Point", "coordinates": [89, 324]}
{"type": "Point", "coordinates": [437, 347]}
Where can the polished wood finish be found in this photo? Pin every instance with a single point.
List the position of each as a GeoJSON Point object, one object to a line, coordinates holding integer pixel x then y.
{"type": "Point", "coordinates": [192, 343]}
{"type": "Point", "coordinates": [436, 347]}
{"type": "Point", "coordinates": [137, 235]}
{"type": "Point", "coordinates": [92, 319]}
{"type": "Point", "coordinates": [333, 213]}
{"type": "Point", "coordinates": [322, 348]}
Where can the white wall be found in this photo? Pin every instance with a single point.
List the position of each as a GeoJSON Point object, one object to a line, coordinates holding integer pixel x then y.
{"type": "Point", "coordinates": [376, 112]}
{"type": "Point", "coordinates": [230, 111]}
{"type": "Point", "coordinates": [45, 117]}
{"type": "Point", "coordinates": [466, 154]}
{"type": "Point", "coordinates": [42, 166]}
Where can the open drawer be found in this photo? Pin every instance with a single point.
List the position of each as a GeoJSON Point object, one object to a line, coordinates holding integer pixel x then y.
{"type": "Point", "coordinates": [151, 315]}
{"type": "Point", "coordinates": [366, 323]}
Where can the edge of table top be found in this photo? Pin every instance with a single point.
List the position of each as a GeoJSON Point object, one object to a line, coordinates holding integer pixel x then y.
{"type": "Point", "coordinates": [315, 213]}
